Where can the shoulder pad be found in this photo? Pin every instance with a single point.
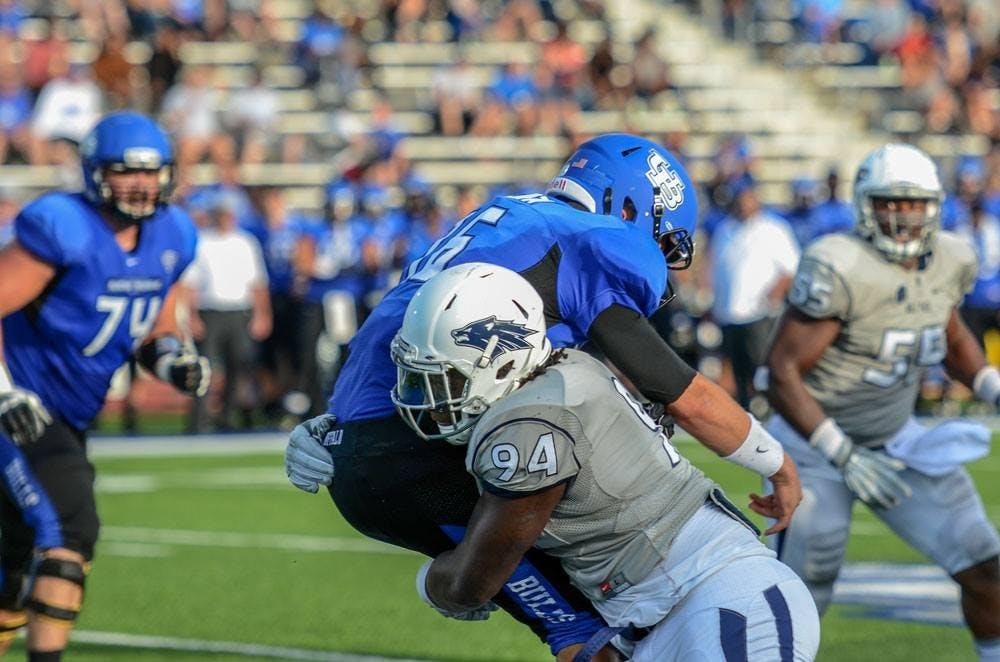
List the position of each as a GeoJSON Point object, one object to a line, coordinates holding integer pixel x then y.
{"type": "Point", "coordinates": [959, 251]}
{"type": "Point", "coordinates": [57, 227]}
{"type": "Point", "coordinates": [821, 288]}
{"type": "Point", "coordinates": [186, 233]}
{"type": "Point", "coordinates": [522, 450]}
{"type": "Point", "coordinates": [627, 259]}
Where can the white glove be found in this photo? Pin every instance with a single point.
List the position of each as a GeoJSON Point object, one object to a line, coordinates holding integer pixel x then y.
{"type": "Point", "coordinates": [871, 475]}
{"type": "Point", "coordinates": [307, 462]}
{"type": "Point", "coordinates": [22, 414]}
{"type": "Point", "coordinates": [187, 371]}
{"type": "Point", "coordinates": [986, 385]}
{"type": "Point", "coordinates": [480, 613]}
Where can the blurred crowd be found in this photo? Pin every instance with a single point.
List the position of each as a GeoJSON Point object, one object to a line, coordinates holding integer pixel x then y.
{"type": "Point", "coordinates": [279, 288]}
{"type": "Point", "coordinates": [947, 51]}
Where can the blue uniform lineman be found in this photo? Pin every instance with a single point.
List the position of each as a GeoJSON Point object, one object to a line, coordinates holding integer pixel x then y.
{"type": "Point", "coordinates": [595, 262]}
{"type": "Point", "coordinates": [93, 287]}
{"type": "Point", "coordinates": [596, 247]}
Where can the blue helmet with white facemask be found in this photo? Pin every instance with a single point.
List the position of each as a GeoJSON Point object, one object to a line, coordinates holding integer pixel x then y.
{"type": "Point", "coordinates": [636, 179]}
{"type": "Point", "coordinates": [123, 141]}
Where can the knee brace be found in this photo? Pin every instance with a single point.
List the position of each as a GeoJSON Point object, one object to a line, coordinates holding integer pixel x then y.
{"type": "Point", "coordinates": [43, 566]}
{"type": "Point", "coordinates": [10, 623]}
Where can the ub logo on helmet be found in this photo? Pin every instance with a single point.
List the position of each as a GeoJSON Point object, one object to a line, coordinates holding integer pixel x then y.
{"type": "Point", "coordinates": [639, 181]}
{"type": "Point", "coordinates": [493, 336]}
{"type": "Point", "coordinates": [665, 180]}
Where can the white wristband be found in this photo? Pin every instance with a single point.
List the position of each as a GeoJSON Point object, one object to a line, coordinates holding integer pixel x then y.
{"type": "Point", "coordinates": [6, 383]}
{"type": "Point", "coordinates": [760, 452]}
{"type": "Point", "coordinates": [831, 441]}
{"type": "Point", "coordinates": [422, 583]}
{"type": "Point", "coordinates": [986, 384]}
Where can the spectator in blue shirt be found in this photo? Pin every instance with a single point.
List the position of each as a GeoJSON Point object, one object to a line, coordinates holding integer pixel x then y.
{"type": "Point", "coordinates": [801, 213]}
{"type": "Point", "coordinates": [833, 214]}
{"type": "Point", "coordinates": [982, 305]}
{"type": "Point", "coordinates": [970, 178]}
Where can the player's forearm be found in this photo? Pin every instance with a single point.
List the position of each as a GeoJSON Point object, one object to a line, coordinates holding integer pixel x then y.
{"type": "Point", "coordinates": [964, 358]}
{"type": "Point", "coordinates": [707, 412]}
{"type": "Point", "coordinates": [788, 396]}
{"type": "Point", "coordinates": [456, 584]}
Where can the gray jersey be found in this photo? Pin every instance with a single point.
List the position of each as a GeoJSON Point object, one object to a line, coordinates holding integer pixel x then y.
{"type": "Point", "coordinates": [894, 323]}
{"type": "Point", "coordinates": [628, 491]}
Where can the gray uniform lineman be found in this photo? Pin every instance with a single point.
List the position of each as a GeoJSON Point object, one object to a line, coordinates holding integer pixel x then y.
{"type": "Point", "coordinates": [867, 314]}
{"type": "Point", "coordinates": [639, 529]}
{"type": "Point", "coordinates": [894, 323]}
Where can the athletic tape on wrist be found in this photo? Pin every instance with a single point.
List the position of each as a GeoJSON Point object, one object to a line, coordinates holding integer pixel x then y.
{"type": "Point", "coordinates": [759, 452]}
{"type": "Point", "coordinates": [6, 383]}
{"type": "Point", "coordinates": [422, 583]}
{"type": "Point", "coordinates": [986, 384]}
{"type": "Point", "coordinates": [830, 440]}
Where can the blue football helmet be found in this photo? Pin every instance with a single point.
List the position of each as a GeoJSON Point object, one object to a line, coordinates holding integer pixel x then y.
{"type": "Point", "coordinates": [638, 180]}
{"type": "Point", "coordinates": [122, 141]}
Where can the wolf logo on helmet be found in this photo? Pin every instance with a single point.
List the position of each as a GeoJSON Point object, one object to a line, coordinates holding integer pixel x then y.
{"type": "Point", "coordinates": [509, 336]}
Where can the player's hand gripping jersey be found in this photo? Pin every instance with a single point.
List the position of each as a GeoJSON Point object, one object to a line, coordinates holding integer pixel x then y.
{"type": "Point", "coordinates": [66, 345]}
{"type": "Point", "coordinates": [580, 263]}
{"type": "Point", "coordinates": [629, 491]}
{"type": "Point", "coordinates": [894, 326]}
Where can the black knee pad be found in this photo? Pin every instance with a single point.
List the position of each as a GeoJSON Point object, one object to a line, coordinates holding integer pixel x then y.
{"type": "Point", "coordinates": [43, 566]}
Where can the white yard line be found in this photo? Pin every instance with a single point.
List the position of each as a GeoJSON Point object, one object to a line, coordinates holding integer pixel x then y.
{"type": "Point", "coordinates": [147, 642]}
{"type": "Point", "coordinates": [258, 443]}
{"type": "Point", "coordinates": [187, 445]}
{"type": "Point", "coordinates": [233, 539]}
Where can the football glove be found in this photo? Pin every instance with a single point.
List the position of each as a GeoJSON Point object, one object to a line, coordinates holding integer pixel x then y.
{"type": "Point", "coordinates": [22, 415]}
{"type": "Point", "coordinates": [480, 613]}
{"type": "Point", "coordinates": [187, 371]}
{"type": "Point", "coordinates": [870, 475]}
{"type": "Point", "coordinates": [307, 462]}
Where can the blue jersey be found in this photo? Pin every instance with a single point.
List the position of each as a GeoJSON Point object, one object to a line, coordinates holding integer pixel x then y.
{"type": "Point", "coordinates": [103, 301]}
{"type": "Point", "coordinates": [338, 258]}
{"type": "Point", "coordinates": [580, 263]}
{"type": "Point", "coordinates": [279, 246]}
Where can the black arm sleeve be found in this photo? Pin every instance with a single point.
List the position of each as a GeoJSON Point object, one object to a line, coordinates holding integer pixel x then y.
{"type": "Point", "coordinates": [632, 344]}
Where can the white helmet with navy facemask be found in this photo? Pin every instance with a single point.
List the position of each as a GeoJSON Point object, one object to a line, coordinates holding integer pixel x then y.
{"type": "Point", "coordinates": [897, 199]}
{"type": "Point", "coordinates": [637, 180]}
{"type": "Point", "coordinates": [470, 335]}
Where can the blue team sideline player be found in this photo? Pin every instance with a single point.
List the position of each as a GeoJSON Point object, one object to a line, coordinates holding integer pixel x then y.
{"type": "Point", "coordinates": [596, 247]}
{"type": "Point", "coordinates": [87, 282]}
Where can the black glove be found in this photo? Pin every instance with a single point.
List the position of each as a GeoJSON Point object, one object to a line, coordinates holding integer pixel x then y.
{"type": "Point", "coordinates": [187, 371]}
{"type": "Point", "coordinates": [22, 415]}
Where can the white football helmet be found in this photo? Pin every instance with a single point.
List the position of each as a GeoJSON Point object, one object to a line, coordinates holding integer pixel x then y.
{"type": "Point", "coordinates": [893, 173]}
{"type": "Point", "coordinates": [470, 335]}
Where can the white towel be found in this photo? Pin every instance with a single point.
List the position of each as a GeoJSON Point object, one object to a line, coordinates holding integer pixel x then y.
{"type": "Point", "coordinates": [940, 449]}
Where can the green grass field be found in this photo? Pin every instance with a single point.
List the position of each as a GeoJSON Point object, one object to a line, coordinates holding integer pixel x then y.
{"type": "Point", "coordinates": [209, 549]}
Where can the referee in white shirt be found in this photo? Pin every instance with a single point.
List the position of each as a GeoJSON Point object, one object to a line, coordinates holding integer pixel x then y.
{"type": "Point", "coordinates": [230, 309]}
{"type": "Point", "coordinates": [753, 256]}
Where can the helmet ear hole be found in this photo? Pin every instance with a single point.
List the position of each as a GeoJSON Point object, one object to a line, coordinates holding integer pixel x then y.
{"type": "Point", "coordinates": [505, 370]}
{"type": "Point", "coordinates": [629, 211]}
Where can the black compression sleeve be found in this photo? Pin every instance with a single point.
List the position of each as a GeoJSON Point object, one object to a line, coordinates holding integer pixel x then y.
{"type": "Point", "coordinates": [632, 344]}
